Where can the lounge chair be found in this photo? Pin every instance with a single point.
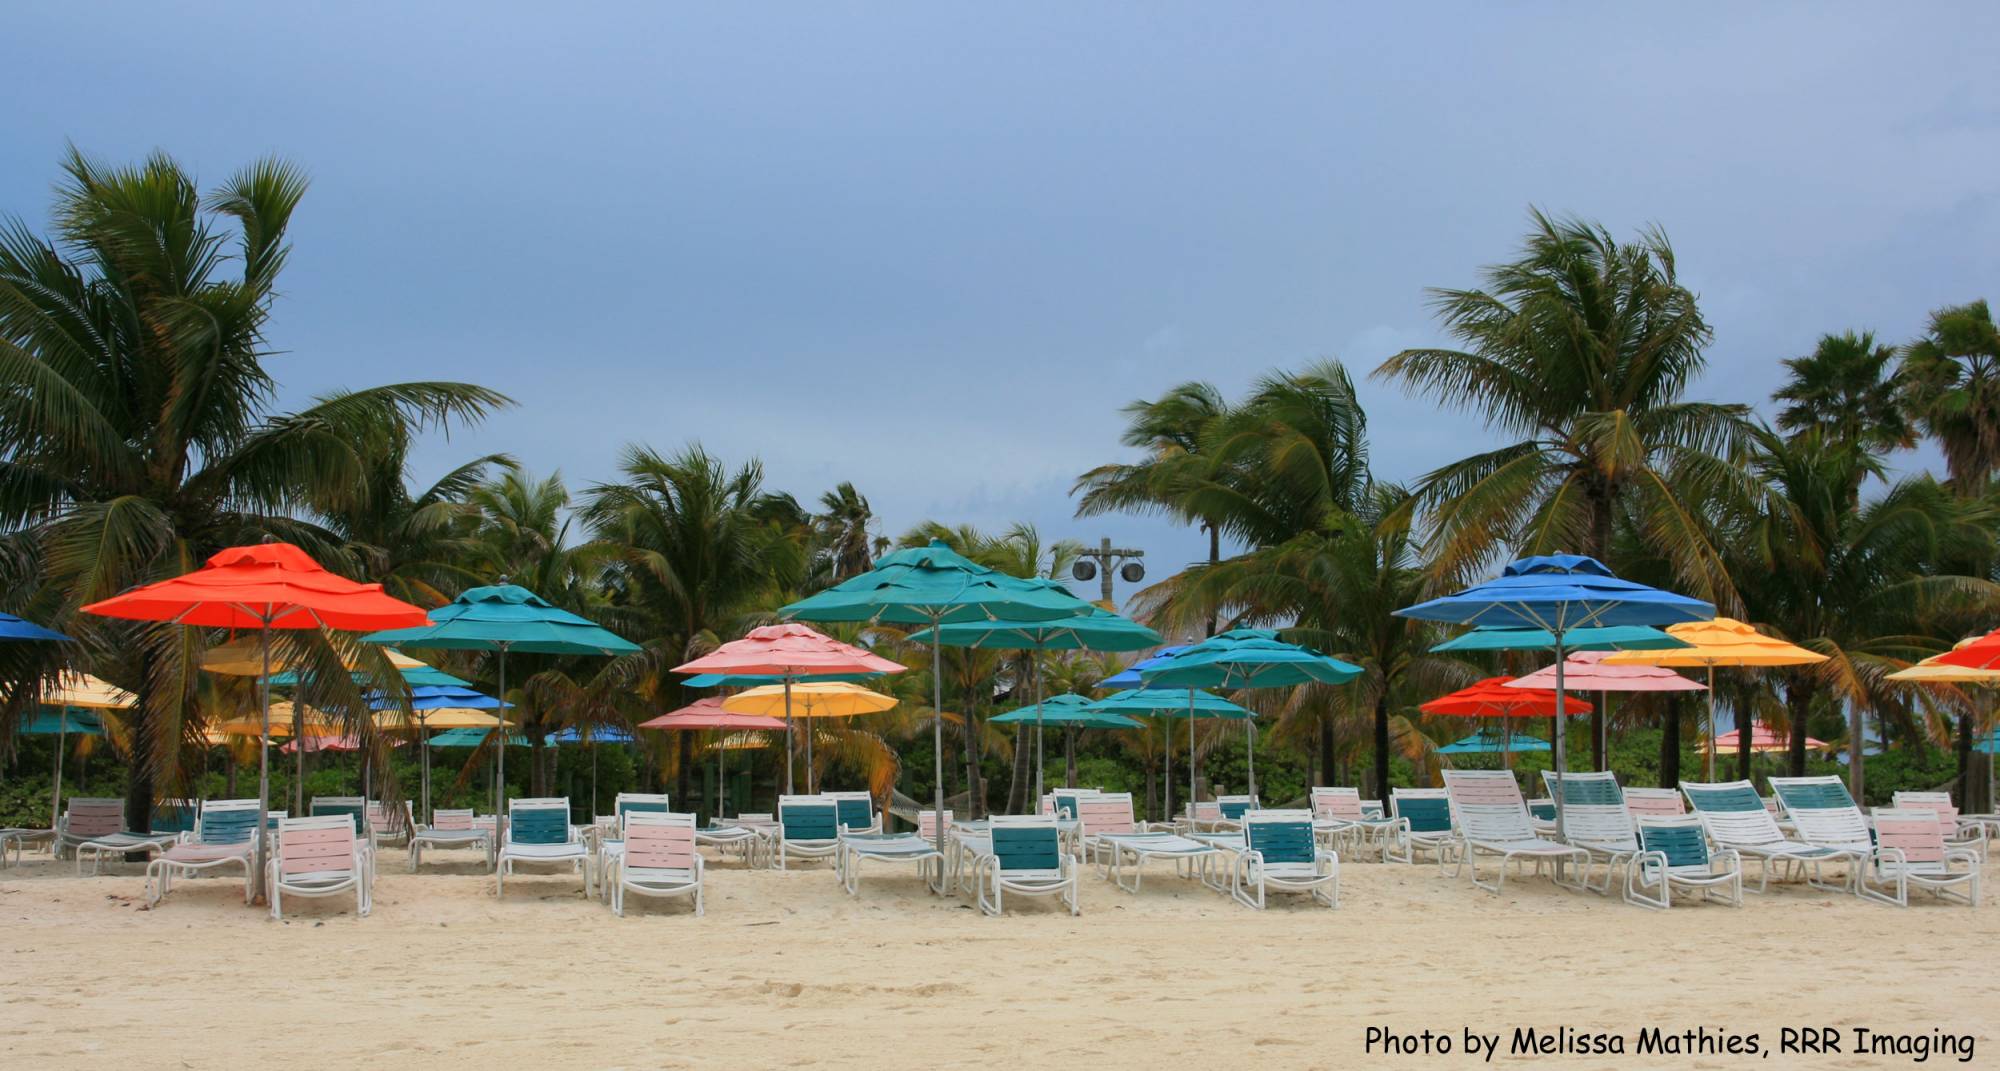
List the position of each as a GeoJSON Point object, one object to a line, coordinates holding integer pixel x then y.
{"type": "Point", "coordinates": [659, 859]}
{"type": "Point", "coordinates": [808, 828]}
{"type": "Point", "coordinates": [1232, 809]}
{"type": "Point", "coordinates": [386, 823]}
{"type": "Point", "coordinates": [1341, 821]}
{"type": "Point", "coordinates": [1596, 819]}
{"type": "Point", "coordinates": [1492, 819]}
{"type": "Point", "coordinates": [739, 839]}
{"type": "Point", "coordinates": [1426, 816]}
{"type": "Point", "coordinates": [1655, 803]}
{"type": "Point", "coordinates": [357, 807]}
{"type": "Point", "coordinates": [855, 811]}
{"type": "Point", "coordinates": [95, 825]}
{"type": "Point", "coordinates": [606, 834]}
{"type": "Point", "coordinates": [226, 836]}
{"type": "Point", "coordinates": [1673, 853]}
{"type": "Point", "coordinates": [1281, 854]}
{"type": "Point", "coordinates": [538, 831]}
{"type": "Point", "coordinates": [1911, 850]}
{"type": "Point", "coordinates": [1958, 833]}
{"type": "Point", "coordinates": [857, 845]}
{"type": "Point", "coordinates": [1735, 817]}
{"type": "Point", "coordinates": [1023, 854]}
{"type": "Point", "coordinates": [317, 856]}
{"type": "Point", "coordinates": [1123, 846]}
{"type": "Point", "coordinates": [449, 828]}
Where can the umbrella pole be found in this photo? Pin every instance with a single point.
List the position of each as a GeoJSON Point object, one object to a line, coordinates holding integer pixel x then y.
{"type": "Point", "coordinates": [790, 743]}
{"type": "Point", "coordinates": [298, 757]}
{"type": "Point", "coordinates": [1190, 799]}
{"type": "Point", "coordinates": [500, 759]}
{"type": "Point", "coordinates": [1250, 740]}
{"type": "Point", "coordinates": [809, 750]}
{"type": "Point", "coordinates": [1711, 723]}
{"type": "Point", "coordinates": [62, 738]}
{"type": "Point", "coordinates": [1069, 764]}
{"type": "Point", "coordinates": [937, 726]}
{"type": "Point", "coordinates": [1168, 788]}
{"type": "Point", "coordinates": [721, 793]}
{"type": "Point", "coordinates": [423, 733]}
{"type": "Point", "coordinates": [264, 754]}
{"type": "Point", "coordinates": [1562, 758]}
{"type": "Point", "coordinates": [1035, 667]}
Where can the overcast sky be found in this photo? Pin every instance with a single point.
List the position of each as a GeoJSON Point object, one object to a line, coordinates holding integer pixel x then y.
{"type": "Point", "coordinates": [932, 248]}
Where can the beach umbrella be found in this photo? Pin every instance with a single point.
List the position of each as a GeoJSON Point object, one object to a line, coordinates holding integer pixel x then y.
{"type": "Point", "coordinates": [1934, 670]}
{"type": "Point", "coordinates": [808, 700]}
{"type": "Point", "coordinates": [934, 586]}
{"type": "Point", "coordinates": [1492, 698]}
{"type": "Point", "coordinates": [501, 618]}
{"type": "Point", "coordinates": [1980, 652]}
{"type": "Point", "coordinates": [791, 652]}
{"type": "Point", "coordinates": [1762, 740]}
{"type": "Point", "coordinates": [426, 699]}
{"type": "Point", "coordinates": [262, 587]}
{"type": "Point", "coordinates": [1098, 630]}
{"type": "Point", "coordinates": [343, 742]}
{"type": "Point", "coordinates": [473, 738]}
{"type": "Point", "coordinates": [59, 723]}
{"type": "Point", "coordinates": [1587, 671]}
{"type": "Point", "coordinates": [23, 630]}
{"type": "Point", "coordinates": [1130, 677]}
{"type": "Point", "coordinates": [1494, 741]}
{"type": "Point", "coordinates": [1609, 638]}
{"type": "Point", "coordinates": [708, 714]}
{"type": "Point", "coordinates": [1244, 658]}
{"type": "Point", "coordinates": [1070, 712]}
{"type": "Point", "coordinates": [1721, 642]}
{"type": "Point", "coordinates": [1559, 593]}
{"type": "Point", "coordinates": [1190, 703]}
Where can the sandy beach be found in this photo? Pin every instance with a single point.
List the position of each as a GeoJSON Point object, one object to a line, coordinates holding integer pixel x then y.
{"type": "Point", "coordinates": [786, 970]}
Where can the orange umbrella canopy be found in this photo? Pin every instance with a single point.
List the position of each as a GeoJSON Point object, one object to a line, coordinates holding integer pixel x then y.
{"type": "Point", "coordinates": [1491, 698]}
{"type": "Point", "coordinates": [1981, 653]}
{"type": "Point", "coordinates": [268, 585]}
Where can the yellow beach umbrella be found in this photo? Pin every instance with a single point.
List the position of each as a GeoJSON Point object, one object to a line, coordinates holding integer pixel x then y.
{"type": "Point", "coordinates": [1722, 642]}
{"type": "Point", "coordinates": [1931, 671]}
{"type": "Point", "coordinates": [241, 657]}
{"type": "Point", "coordinates": [84, 690]}
{"type": "Point", "coordinates": [283, 712]}
{"type": "Point", "coordinates": [439, 718]}
{"type": "Point", "coordinates": [822, 699]}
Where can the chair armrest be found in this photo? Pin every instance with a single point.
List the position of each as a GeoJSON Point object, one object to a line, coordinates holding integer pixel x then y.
{"type": "Point", "coordinates": [1735, 860]}
{"type": "Point", "coordinates": [1964, 855]}
{"type": "Point", "coordinates": [1881, 855]}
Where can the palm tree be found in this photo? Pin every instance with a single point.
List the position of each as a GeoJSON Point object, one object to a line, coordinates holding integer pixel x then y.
{"type": "Point", "coordinates": [136, 418]}
{"type": "Point", "coordinates": [418, 543]}
{"type": "Point", "coordinates": [1847, 389]}
{"type": "Point", "coordinates": [842, 530]}
{"type": "Point", "coordinates": [1582, 349]}
{"type": "Point", "coordinates": [1951, 380]}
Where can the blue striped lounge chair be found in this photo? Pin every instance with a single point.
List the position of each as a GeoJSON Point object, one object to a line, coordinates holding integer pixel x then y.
{"type": "Point", "coordinates": [1911, 850]}
{"type": "Point", "coordinates": [858, 845]}
{"type": "Point", "coordinates": [1023, 854]}
{"type": "Point", "coordinates": [226, 836]}
{"type": "Point", "coordinates": [1492, 820]}
{"type": "Point", "coordinates": [808, 828]}
{"type": "Point", "coordinates": [1596, 819]}
{"type": "Point", "coordinates": [1673, 853]}
{"type": "Point", "coordinates": [660, 858]}
{"type": "Point", "coordinates": [317, 856]}
{"type": "Point", "coordinates": [1735, 817]}
{"type": "Point", "coordinates": [1426, 816]}
{"type": "Point", "coordinates": [1282, 854]}
{"type": "Point", "coordinates": [538, 831]}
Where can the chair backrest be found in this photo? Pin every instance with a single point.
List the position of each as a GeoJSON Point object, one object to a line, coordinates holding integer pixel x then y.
{"type": "Point", "coordinates": [1025, 844]}
{"type": "Point", "coordinates": [1655, 802]}
{"type": "Point", "coordinates": [1336, 804]}
{"type": "Point", "coordinates": [176, 816]}
{"type": "Point", "coordinates": [1234, 808]}
{"type": "Point", "coordinates": [1063, 802]}
{"type": "Point", "coordinates": [322, 845]}
{"type": "Point", "coordinates": [1915, 833]}
{"type": "Point", "coordinates": [1427, 809]}
{"type": "Point", "coordinates": [274, 819]}
{"type": "Point", "coordinates": [94, 816]}
{"type": "Point", "coordinates": [453, 818]}
{"type": "Point", "coordinates": [1594, 811]}
{"type": "Point", "coordinates": [1823, 812]}
{"type": "Point", "coordinates": [538, 821]}
{"type": "Point", "coordinates": [651, 802]}
{"type": "Point", "coordinates": [1733, 813]}
{"type": "Point", "coordinates": [1372, 810]}
{"type": "Point", "coordinates": [1280, 836]}
{"type": "Point", "coordinates": [1205, 812]}
{"type": "Point", "coordinates": [1939, 802]}
{"type": "Point", "coordinates": [1679, 837]}
{"type": "Point", "coordinates": [659, 840]}
{"type": "Point", "coordinates": [927, 824]}
{"type": "Point", "coordinates": [1105, 812]}
{"type": "Point", "coordinates": [1487, 805]}
{"type": "Point", "coordinates": [1048, 804]}
{"type": "Point", "coordinates": [808, 818]}
{"type": "Point", "coordinates": [854, 810]}
{"type": "Point", "coordinates": [352, 805]}
{"type": "Point", "coordinates": [227, 821]}
{"type": "Point", "coordinates": [486, 822]}
{"type": "Point", "coordinates": [1542, 810]}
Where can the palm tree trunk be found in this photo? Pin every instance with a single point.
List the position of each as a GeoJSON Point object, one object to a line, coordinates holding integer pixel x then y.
{"type": "Point", "coordinates": [1670, 743]}
{"type": "Point", "coordinates": [1326, 748]}
{"type": "Point", "coordinates": [139, 771]}
{"type": "Point", "coordinates": [1382, 746]}
{"type": "Point", "coordinates": [1017, 791]}
{"type": "Point", "coordinates": [1799, 691]}
{"type": "Point", "coordinates": [975, 796]}
{"type": "Point", "coordinates": [683, 785]}
{"type": "Point", "coordinates": [536, 744]}
{"type": "Point", "coordinates": [1964, 794]}
{"type": "Point", "coordinates": [1214, 558]}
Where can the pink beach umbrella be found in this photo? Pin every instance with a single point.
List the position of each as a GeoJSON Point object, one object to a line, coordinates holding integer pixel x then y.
{"type": "Point", "coordinates": [708, 714]}
{"type": "Point", "coordinates": [1762, 739]}
{"type": "Point", "coordinates": [1586, 671]}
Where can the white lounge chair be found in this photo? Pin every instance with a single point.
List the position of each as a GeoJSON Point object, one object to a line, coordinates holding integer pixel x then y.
{"type": "Point", "coordinates": [1735, 817]}
{"type": "Point", "coordinates": [1426, 817]}
{"type": "Point", "coordinates": [1023, 854]}
{"type": "Point", "coordinates": [808, 828]}
{"type": "Point", "coordinates": [659, 859]}
{"type": "Point", "coordinates": [357, 807]}
{"type": "Point", "coordinates": [1281, 854]}
{"type": "Point", "coordinates": [1970, 835]}
{"type": "Point", "coordinates": [1342, 822]}
{"type": "Point", "coordinates": [95, 826]}
{"type": "Point", "coordinates": [606, 834]}
{"type": "Point", "coordinates": [449, 828]}
{"type": "Point", "coordinates": [226, 836]}
{"type": "Point", "coordinates": [318, 856]}
{"type": "Point", "coordinates": [855, 811]}
{"type": "Point", "coordinates": [1111, 836]}
{"type": "Point", "coordinates": [1673, 854]}
{"type": "Point", "coordinates": [1596, 819]}
{"type": "Point", "coordinates": [538, 831]}
{"type": "Point", "coordinates": [858, 845]}
{"type": "Point", "coordinates": [1911, 850]}
{"type": "Point", "coordinates": [19, 837]}
{"type": "Point", "coordinates": [1655, 803]}
{"type": "Point", "coordinates": [1492, 819]}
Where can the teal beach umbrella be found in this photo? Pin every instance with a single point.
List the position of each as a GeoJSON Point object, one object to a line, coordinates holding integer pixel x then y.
{"type": "Point", "coordinates": [1607, 638]}
{"type": "Point", "coordinates": [1187, 703]}
{"type": "Point", "coordinates": [1070, 712]}
{"type": "Point", "coordinates": [1493, 741]}
{"type": "Point", "coordinates": [473, 738]}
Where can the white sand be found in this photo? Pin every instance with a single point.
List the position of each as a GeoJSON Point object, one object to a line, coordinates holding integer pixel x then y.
{"type": "Point", "coordinates": [787, 970]}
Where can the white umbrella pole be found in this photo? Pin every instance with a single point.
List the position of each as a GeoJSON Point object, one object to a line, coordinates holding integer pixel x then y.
{"type": "Point", "coordinates": [721, 793]}
{"type": "Point", "coordinates": [62, 738]}
{"type": "Point", "coordinates": [264, 754]}
{"type": "Point", "coordinates": [424, 736]}
{"type": "Point", "coordinates": [1562, 733]}
{"type": "Point", "coordinates": [500, 759]}
{"type": "Point", "coordinates": [809, 749]}
{"type": "Point", "coordinates": [298, 757]}
{"type": "Point", "coordinates": [1035, 668]}
{"type": "Point", "coordinates": [1250, 740]}
{"type": "Point", "coordinates": [1167, 789]}
{"type": "Point", "coordinates": [790, 744]}
{"type": "Point", "coordinates": [1190, 799]}
{"type": "Point", "coordinates": [937, 726]}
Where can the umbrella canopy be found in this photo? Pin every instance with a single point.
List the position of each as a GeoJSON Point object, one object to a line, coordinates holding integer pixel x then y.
{"type": "Point", "coordinates": [445, 718]}
{"type": "Point", "coordinates": [284, 715]}
{"type": "Point", "coordinates": [1131, 677]}
{"type": "Point", "coordinates": [1723, 641]}
{"type": "Point", "coordinates": [330, 743]}
{"type": "Point", "coordinates": [708, 713]}
{"type": "Point", "coordinates": [811, 699]}
{"type": "Point", "coordinates": [1980, 653]}
{"type": "Point", "coordinates": [1069, 709]}
{"type": "Point", "coordinates": [243, 657]}
{"type": "Point", "coordinates": [58, 722]}
{"type": "Point", "coordinates": [1493, 698]}
{"type": "Point", "coordinates": [473, 738]}
{"type": "Point", "coordinates": [603, 734]}
{"type": "Point", "coordinates": [1762, 739]}
{"type": "Point", "coordinates": [1169, 703]}
{"type": "Point", "coordinates": [16, 628]}
{"type": "Point", "coordinates": [1935, 670]}
{"type": "Point", "coordinates": [1494, 742]}
{"type": "Point", "coordinates": [1608, 638]}
{"type": "Point", "coordinates": [437, 697]}
{"type": "Point", "coordinates": [1587, 671]}
{"type": "Point", "coordinates": [752, 680]}
{"type": "Point", "coordinates": [1988, 744]}
{"type": "Point", "coordinates": [84, 690]}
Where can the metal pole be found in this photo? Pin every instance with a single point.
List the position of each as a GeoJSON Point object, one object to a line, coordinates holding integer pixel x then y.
{"type": "Point", "coordinates": [424, 736]}
{"type": "Point", "coordinates": [1035, 669]}
{"type": "Point", "coordinates": [1711, 722]}
{"type": "Point", "coordinates": [790, 744]}
{"type": "Point", "coordinates": [500, 760]}
{"type": "Point", "coordinates": [937, 723]}
{"type": "Point", "coordinates": [1562, 732]}
{"type": "Point", "coordinates": [298, 756]}
{"type": "Point", "coordinates": [721, 792]}
{"type": "Point", "coordinates": [1167, 789]}
{"type": "Point", "coordinates": [1190, 799]}
{"type": "Point", "coordinates": [264, 753]}
{"type": "Point", "coordinates": [1250, 741]}
{"type": "Point", "coordinates": [809, 747]}
{"type": "Point", "coordinates": [62, 737]}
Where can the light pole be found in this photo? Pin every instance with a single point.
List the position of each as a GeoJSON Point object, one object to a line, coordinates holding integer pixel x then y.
{"type": "Point", "coordinates": [1099, 564]}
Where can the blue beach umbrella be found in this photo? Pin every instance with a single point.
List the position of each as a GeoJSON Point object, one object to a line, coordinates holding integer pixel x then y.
{"type": "Point", "coordinates": [473, 738]}
{"type": "Point", "coordinates": [429, 697]}
{"type": "Point", "coordinates": [1130, 677]}
{"type": "Point", "coordinates": [1560, 593]}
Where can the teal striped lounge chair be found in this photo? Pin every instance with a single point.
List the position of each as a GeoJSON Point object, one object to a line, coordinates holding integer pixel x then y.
{"type": "Point", "coordinates": [538, 831]}
{"type": "Point", "coordinates": [226, 836]}
{"type": "Point", "coordinates": [1492, 820]}
{"type": "Point", "coordinates": [1426, 817]}
{"type": "Point", "coordinates": [1911, 850]}
{"type": "Point", "coordinates": [1823, 814]}
{"type": "Point", "coordinates": [856, 846]}
{"type": "Point", "coordinates": [855, 811]}
{"type": "Point", "coordinates": [317, 856]}
{"type": "Point", "coordinates": [808, 828]}
{"type": "Point", "coordinates": [660, 858]}
{"type": "Point", "coordinates": [1596, 819]}
{"type": "Point", "coordinates": [1023, 854]}
{"type": "Point", "coordinates": [1673, 853]}
{"type": "Point", "coordinates": [1282, 854]}
{"type": "Point", "coordinates": [1735, 817]}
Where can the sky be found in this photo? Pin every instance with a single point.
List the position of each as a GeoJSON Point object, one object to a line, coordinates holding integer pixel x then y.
{"type": "Point", "coordinates": [933, 249]}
